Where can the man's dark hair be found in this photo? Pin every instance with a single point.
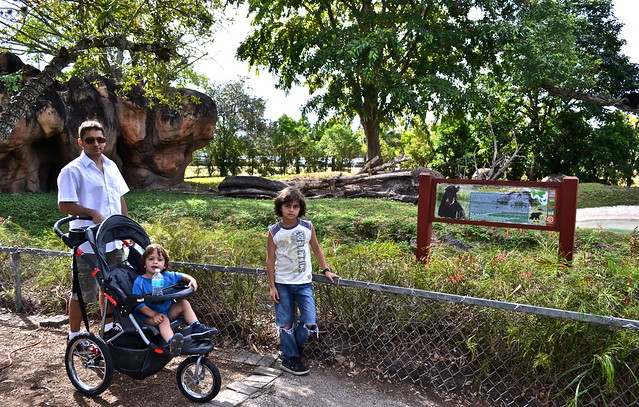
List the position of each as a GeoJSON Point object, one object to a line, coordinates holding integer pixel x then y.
{"type": "Point", "coordinates": [288, 195]}
{"type": "Point", "coordinates": [89, 125]}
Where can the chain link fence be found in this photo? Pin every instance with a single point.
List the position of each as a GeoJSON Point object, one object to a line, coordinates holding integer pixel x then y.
{"type": "Point", "coordinates": [487, 352]}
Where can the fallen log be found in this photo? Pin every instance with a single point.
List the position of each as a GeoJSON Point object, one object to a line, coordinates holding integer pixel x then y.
{"type": "Point", "coordinates": [368, 170]}
{"type": "Point", "coordinates": [340, 180]}
{"type": "Point", "coordinates": [248, 193]}
{"type": "Point", "coordinates": [371, 194]}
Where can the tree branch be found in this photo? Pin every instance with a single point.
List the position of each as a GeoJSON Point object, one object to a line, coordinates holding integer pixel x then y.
{"type": "Point", "coordinates": [598, 99]}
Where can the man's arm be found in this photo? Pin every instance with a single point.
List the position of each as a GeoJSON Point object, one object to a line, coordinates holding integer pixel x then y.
{"type": "Point", "coordinates": [73, 208]}
{"type": "Point", "coordinates": [125, 209]}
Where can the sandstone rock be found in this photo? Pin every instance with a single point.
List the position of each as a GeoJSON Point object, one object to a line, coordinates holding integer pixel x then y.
{"type": "Point", "coordinates": [151, 145]}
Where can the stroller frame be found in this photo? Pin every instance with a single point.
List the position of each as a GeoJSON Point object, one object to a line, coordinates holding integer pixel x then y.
{"type": "Point", "coordinates": [135, 351]}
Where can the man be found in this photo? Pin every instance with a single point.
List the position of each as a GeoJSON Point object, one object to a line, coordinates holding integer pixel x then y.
{"type": "Point", "coordinates": [91, 185]}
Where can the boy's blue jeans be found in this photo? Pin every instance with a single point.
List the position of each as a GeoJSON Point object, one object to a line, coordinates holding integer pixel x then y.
{"type": "Point", "coordinates": [294, 296]}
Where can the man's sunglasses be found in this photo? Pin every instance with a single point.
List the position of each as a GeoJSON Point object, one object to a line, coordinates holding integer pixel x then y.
{"type": "Point", "coordinates": [91, 140]}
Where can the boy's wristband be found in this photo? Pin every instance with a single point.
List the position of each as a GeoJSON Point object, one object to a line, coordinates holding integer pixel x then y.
{"type": "Point", "coordinates": [326, 269]}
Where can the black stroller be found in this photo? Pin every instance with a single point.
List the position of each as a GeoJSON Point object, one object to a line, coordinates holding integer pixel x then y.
{"type": "Point", "coordinates": [135, 351]}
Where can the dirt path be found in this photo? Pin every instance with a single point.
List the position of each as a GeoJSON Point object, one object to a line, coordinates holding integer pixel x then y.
{"type": "Point", "coordinates": [33, 373]}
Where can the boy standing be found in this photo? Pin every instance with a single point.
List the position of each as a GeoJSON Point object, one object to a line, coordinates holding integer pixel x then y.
{"type": "Point", "coordinates": [289, 269]}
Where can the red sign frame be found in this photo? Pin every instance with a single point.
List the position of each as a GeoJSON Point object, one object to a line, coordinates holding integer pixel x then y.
{"type": "Point", "coordinates": [565, 211]}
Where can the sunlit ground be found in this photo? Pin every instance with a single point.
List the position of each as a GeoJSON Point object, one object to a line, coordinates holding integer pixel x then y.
{"type": "Point", "coordinates": [198, 176]}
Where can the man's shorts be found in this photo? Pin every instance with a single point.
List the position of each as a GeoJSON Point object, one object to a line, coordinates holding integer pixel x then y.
{"type": "Point", "coordinates": [88, 283]}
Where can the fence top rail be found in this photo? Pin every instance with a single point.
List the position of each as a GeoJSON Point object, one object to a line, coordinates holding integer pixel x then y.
{"type": "Point", "coordinates": [28, 250]}
{"type": "Point", "coordinates": [413, 292]}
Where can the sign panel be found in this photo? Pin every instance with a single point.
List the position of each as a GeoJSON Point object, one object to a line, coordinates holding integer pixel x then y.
{"type": "Point", "coordinates": [497, 203]}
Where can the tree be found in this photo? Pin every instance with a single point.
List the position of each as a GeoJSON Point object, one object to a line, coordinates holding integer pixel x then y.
{"type": "Point", "coordinates": [147, 43]}
{"type": "Point", "coordinates": [240, 124]}
{"type": "Point", "coordinates": [382, 60]}
{"type": "Point", "coordinates": [287, 139]}
{"type": "Point", "coordinates": [341, 144]}
{"type": "Point", "coordinates": [417, 143]}
{"type": "Point", "coordinates": [513, 103]}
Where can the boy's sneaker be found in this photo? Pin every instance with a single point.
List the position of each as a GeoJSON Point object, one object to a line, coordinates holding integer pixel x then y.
{"type": "Point", "coordinates": [295, 366]}
{"type": "Point", "coordinates": [175, 345]}
{"type": "Point", "coordinates": [199, 331]}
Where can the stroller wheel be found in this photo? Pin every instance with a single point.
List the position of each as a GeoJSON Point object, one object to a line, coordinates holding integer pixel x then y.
{"type": "Point", "coordinates": [199, 379]}
{"type": "Point", "coordinates": [89, 365]}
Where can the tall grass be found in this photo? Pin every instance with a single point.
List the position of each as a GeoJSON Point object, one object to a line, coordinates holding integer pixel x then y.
{"type": "Point", "coordinates": [370, 240]}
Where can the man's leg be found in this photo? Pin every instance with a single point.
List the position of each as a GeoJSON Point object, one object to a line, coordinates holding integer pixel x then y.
{"type": "Point", "coordinates": [75, 315]}
{"type": "Point", "coordinates": [89, 288]}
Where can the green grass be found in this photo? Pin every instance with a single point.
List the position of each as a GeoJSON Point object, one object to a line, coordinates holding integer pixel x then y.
{"type": "Point", "coordinates": [593, 195]}
{"type": "Point", "coordinates": [370, 240]}
{"type": "Point", "coordinates": [503, 264]}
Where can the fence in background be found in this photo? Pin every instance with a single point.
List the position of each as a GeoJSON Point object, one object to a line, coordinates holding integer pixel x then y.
{"type": "Point", "coordinates": [466, 346]}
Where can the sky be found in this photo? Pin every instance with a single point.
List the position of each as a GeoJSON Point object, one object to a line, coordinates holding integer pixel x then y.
{"type": "Point", "coordinates": [222, 66]}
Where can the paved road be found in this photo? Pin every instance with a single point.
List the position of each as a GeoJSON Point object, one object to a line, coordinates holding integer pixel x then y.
{"type": "Point", "coordinates": [622, 218]}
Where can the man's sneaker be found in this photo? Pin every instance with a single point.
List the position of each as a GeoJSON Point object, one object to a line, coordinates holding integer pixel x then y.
{"type": "Point", "coordinates": [199, 331]}
{"type": "Point", "coordinates": [115, 329]}
{"type": "Point", "coordinates": [175, 345]}
{"type": "Point", "coordinates": [295, 366]}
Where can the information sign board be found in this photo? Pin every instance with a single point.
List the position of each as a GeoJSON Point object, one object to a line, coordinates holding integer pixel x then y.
{"type": "Point", "coordinates": [497, 203]}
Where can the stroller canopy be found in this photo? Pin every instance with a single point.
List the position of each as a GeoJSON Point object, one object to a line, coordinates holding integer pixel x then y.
{"type": "Point", "coordinates": [115, 227]}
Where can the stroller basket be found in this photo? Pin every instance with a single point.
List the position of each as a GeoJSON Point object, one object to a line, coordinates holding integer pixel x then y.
{"type": "Point", "coordinates": [134, 358]}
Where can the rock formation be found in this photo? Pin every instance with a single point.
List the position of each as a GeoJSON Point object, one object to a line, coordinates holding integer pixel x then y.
{"type": "Point", "coordinates": [151, 145]}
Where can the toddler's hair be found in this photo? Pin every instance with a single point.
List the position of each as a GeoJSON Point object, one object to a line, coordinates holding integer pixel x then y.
{"type": "Point", "coordinates": [152, 248]}
{"type": "Point", "coordinates": [288, 195]}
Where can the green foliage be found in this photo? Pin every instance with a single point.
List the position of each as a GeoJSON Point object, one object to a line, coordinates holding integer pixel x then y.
{"type": "Point", "coordinates": [287, 139]}
{"type": "Point", "coordinates": [367, 240]}
{"type": "Point", "coordinates": [241, 131]}
{"type": "Point", "coordinates": [137, 43]}
{"type": "Point", "coordinates": [342, 145]}
{"type": "Point", "coordinates": [384, 62]}
{"type": "Point", "coordinates": [12, 82]}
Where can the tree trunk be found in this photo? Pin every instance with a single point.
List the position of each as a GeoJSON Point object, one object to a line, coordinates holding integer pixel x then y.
{"type": "Point", "coordinates": [26, 98]}
{"type": "Point", "coordinates": [371, 131]}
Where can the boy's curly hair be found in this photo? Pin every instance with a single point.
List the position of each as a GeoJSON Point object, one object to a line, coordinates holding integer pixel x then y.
{"type": "Point", "coordinates": [152, 248]}
{"type": "Point", "coordinates": [288, 195]}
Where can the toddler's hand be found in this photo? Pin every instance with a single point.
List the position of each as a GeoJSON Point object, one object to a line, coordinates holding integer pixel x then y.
{"type": "Point", "coordinates": [193, 283]}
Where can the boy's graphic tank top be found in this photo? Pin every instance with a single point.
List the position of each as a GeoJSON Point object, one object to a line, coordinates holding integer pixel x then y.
{"type": "Point", "coordinates": [292, 252]}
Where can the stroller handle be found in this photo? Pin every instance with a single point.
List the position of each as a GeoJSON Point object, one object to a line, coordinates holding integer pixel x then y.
{"type": "Point", "coordinates": [173, 292]}
{"type": "Point", "coordinates": [71, 238]}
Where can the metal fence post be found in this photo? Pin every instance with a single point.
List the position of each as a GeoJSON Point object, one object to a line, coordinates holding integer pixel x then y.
{"type": "Point", "coordinates": [17, 278]}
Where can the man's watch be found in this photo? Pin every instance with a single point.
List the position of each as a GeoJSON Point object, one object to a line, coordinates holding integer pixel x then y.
{"type": "Point", "coordinates": [326, 269]}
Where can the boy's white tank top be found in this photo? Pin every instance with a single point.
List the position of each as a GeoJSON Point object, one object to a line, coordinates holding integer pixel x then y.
{"type": "Point", "coordinates": [292, 252]}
